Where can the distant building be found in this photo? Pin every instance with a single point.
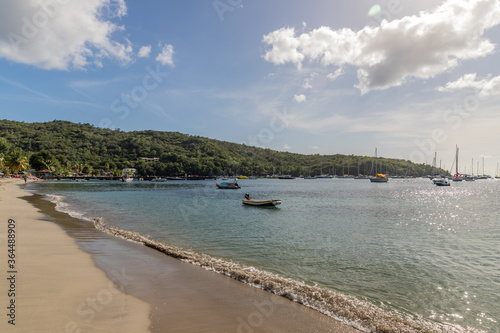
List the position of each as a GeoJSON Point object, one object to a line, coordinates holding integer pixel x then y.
{"type": "Point", "coordinates": [129, 171]}
{"type": "Point", "coordinates": [154, 159]}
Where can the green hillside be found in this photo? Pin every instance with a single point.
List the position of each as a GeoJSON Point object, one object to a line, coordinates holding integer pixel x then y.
{"type": "Point", "coordinates": [64, 147]}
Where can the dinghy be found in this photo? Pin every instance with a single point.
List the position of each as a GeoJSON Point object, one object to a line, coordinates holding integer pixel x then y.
{"type": "Point", "coordinates": [255, 202]}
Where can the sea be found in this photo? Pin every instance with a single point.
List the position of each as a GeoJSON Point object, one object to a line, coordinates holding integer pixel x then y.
{"type": "Point", "coordinates": [399, 256]}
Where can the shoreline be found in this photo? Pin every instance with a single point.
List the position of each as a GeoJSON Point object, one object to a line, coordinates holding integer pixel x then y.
{"type": "Point", "coordinates": [183, 297]}
{"type": "Point", "coordinates": [53, 285]}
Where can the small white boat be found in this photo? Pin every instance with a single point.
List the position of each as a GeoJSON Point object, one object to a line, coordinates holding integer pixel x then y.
{"type": "Point", "coordinates": [156, 179]}
{"type": "Point", "coordinates": [228, 186]}
{"type": "Point", "coordinates": [438, 179]}
{"type": "Point", "coordinates": [442, 182]}
{"type": "Point", "coordinates": [254, 202]}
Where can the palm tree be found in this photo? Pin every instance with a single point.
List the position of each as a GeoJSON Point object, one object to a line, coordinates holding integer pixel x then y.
{"type": "Point", "coordinates": [17, 161]}
{"type": "Point", "coordinates": [2, 162]}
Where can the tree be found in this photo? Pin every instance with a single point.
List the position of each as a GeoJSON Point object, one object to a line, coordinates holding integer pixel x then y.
{"type": "Point", "coordinates": [17, 161]}
{"type": "Point", "coordinates": [4, 146]}
{"type": "Point", "coordinates": [42, 160]}
{"type": "Point", "coordinates": [2, 162]}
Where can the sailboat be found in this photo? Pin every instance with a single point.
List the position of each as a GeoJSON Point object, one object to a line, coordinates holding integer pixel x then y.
{"type": "Point", "coordinates": [457, 177]}
{"type": "Point", "coordinates": [323, 176]}
{"type": "Point", "coordinates": [470, 178]}
{"type": "Point", "coordinates": [379, 178]}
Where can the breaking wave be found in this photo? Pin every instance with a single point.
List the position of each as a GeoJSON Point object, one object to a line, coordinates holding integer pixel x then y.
{"type": "Point", "coordinates": [362, 315]}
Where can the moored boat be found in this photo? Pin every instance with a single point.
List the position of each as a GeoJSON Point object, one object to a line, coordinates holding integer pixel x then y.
{"type": "Point", "coordinates": [158, 179]}
{"type": "Point", "coordinates": [254, 202]}
{"type": "Point", "coordinates": [228, 186]}
{"type": "Point", "coordinates": [379, 178]}
{"type": "Point", "coordinates": [457, 177]}
{"type": "Point", "coordinates": [441, 182]}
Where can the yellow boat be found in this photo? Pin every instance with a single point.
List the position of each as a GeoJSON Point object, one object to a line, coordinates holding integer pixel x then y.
{"type": "Point", "coordinates": [379, 178]}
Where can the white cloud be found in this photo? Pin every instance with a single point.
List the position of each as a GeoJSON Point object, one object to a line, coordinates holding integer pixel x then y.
{"type": "Point", "coordinates": [285, 47]}
{"type": "Point", "coordinates": [144, 51]}
{"type": "Point", "coordinates": [336, 74]}
{"type": "Point", "coordinates": [466, 81]}
{"type": "Point", "coordinates": [62, 34]}
{"type": "Point", "coordinates": [486, 87]}
{"type": "Point", "coordinates": [299, 98]}
{"type": "Point", "coordinates": [287, 147]}
{"type": "Point", "coordinates": [420, 46]}
{"type": "Point", "coordinates": [166, 55]}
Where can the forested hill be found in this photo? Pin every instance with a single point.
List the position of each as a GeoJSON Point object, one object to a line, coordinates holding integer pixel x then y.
{"type": "Point", "coordinates": [64, 147]}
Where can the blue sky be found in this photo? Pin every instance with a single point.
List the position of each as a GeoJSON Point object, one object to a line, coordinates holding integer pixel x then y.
{"type": "Point", "coordinates": [408, 77]}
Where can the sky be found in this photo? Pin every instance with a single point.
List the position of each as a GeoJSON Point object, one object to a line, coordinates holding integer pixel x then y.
{"type": "Point", "coordinates": [410, 78]}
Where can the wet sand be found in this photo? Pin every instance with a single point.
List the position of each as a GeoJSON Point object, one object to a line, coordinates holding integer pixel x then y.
{"type": "Point", "coordinates": [181, 297]}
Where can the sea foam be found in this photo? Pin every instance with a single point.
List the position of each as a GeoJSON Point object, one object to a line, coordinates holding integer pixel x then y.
{"type": "Point", "coordinates": [357, 313]}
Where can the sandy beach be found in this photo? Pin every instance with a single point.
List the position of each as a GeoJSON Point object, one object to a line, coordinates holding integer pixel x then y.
{"type": "Point", "coordinates": [53, 285]}
{"type": "Point", "coordinates": [70, 277]}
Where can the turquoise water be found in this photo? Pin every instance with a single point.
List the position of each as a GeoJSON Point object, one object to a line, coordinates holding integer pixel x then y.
{"type": "Point", "coordinates": [426, 251]}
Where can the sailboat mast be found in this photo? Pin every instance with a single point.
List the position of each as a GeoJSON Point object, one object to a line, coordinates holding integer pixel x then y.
{"type": "Point", "coordinates": [456, 163]}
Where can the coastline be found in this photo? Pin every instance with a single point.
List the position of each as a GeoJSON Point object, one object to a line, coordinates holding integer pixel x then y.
{"type": "Point", "coordinates": [169, 295]}
{"type": "Point", "coordinates": [53, 285]}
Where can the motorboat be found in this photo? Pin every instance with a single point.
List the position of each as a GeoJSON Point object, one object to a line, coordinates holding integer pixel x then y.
{"type": "Point", "coordinates": [156, 179]}
{"type": "Point", "coordinates": [442, 182]}
{"type": "Point", "coordinates": [228, 185]}
{"type": "Point", "coordinates": [438, 179]}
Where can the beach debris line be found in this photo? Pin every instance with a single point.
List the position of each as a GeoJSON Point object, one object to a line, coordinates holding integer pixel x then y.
{"type": "Point", "coordinates": [362, 315]}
